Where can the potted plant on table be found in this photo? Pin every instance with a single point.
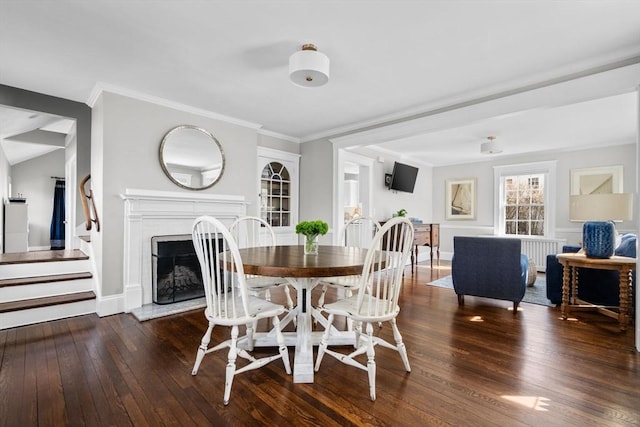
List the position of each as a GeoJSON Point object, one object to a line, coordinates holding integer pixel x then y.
{"type": "Point", "coordinates": [401, 212]}
{"type": "Point", "coordinates": [311, 230]}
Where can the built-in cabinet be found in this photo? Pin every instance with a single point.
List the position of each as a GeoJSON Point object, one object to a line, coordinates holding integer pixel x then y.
{"type": "Point", "coordinates": [278, 192]}
{"type": "Point", "coordinates": [16, 227]}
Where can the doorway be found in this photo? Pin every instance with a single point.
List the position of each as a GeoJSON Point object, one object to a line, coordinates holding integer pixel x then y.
{"type": "Point", "coordinates": [354, 194]}
{"type": "Point", "coordinates": [38, 149]}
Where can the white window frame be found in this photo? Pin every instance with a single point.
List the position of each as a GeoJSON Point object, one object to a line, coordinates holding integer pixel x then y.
{"type": "Point", "coordinates": [548, 169]}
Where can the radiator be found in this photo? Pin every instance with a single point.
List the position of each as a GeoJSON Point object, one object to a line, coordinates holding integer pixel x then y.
{"type": "Point", "coordinates": [537, 249]}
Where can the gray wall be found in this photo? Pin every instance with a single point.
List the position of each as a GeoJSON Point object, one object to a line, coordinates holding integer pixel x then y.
{"type": "Point", "coordinates": [316, 184]}
{"type": "Point", "coordinates": [483, 224]}
{"type": "Point", "coordinates": [387, 202]}
{"type": "Point", "coordinates": [32, 178]}
{"type": "Point", "coordinates": [278, 144]}
{"type": "Point", "coordinates": [126, 138]}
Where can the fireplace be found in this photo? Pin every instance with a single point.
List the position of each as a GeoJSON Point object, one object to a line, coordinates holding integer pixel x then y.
{"type": "Point", "coordinates": [175, 269]}
{"type": "Point", "coordinates": [149, 213]}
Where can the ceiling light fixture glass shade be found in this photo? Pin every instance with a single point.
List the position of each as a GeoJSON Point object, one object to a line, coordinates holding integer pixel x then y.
{"type": "Point", "coordinates": [491, 146]}
{"type": "Point", "coordinates": [308, 67]}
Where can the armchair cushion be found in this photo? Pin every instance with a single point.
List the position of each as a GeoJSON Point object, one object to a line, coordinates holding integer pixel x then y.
{"type": "Point", "coordinates": [489, 267]}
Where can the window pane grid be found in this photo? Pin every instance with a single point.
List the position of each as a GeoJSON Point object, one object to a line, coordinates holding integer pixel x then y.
{"type": "Point", "coordinates": [524, 205]}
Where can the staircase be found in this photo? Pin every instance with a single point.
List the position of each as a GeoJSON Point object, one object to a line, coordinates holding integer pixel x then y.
{"type": "Point", "coordinates": [44, 285]}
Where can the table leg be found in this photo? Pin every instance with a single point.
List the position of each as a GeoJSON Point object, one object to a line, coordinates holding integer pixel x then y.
{"type": "Point", "coordinates": [625, 289]}
{"type": "Point", "coordinates": [414, 257]}
{"type": "Point", "coordinates": [565, 290]}
{"type": "Point", "coordinates": [303, 359]}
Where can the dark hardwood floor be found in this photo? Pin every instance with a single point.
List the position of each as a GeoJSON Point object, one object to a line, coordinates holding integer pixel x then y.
{"type": "Point", "coordinates": [471, 366]}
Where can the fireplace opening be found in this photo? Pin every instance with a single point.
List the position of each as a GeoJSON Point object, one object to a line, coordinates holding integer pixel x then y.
{"type": "Point", "coordinates": [176, 274]}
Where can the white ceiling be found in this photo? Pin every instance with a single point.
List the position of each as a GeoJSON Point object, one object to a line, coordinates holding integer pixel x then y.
{"type": "Point", "coordinates": [389, 59]}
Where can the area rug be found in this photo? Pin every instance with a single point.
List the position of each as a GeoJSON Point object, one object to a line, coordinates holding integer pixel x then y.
{"type": "Point", "coordinates": [536, 294]}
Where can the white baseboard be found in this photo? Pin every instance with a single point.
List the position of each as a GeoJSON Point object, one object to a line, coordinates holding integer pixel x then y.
{"type": "Point", "coordinates": [112, 304]}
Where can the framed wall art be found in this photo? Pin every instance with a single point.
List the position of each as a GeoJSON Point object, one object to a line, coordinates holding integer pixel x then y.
{"type": "Point", "coordinates": [599, 180]}
{"type": "Point", "coordinates": [460, 198]}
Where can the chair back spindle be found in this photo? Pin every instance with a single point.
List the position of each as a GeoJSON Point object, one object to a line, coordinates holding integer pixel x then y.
{"type": "Point", "coordinates": [380, 287]}
{"type": "Point", "coordinates": [222, 270]}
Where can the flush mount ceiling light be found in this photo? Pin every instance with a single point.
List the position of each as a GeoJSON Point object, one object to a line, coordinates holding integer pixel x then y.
{"type": "Point", "coordinates": [491, 146]}
{"type": "Point", "coordinates": [308, 67]}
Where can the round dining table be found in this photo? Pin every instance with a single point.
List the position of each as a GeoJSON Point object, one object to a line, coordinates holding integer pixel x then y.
{"type": "Point", "coordinates": [303, 272]}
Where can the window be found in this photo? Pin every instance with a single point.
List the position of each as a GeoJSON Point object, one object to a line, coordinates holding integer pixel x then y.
{"type": "Point", "coordinates": [524, 205]}
{"type": "Point", "coordinates": [524, 199]}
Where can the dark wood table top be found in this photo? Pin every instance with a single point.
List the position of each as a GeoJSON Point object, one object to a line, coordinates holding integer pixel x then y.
{"type": "Point", "coordinates": [290, 261]}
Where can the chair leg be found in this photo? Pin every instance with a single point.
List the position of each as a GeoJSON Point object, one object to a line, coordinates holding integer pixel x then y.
{"type": "Point", "coordinates": [202, 350]}
{"type": "Point", "coordinates": [515, 308]}
{"type": "Point", "coordinates": [321, 299]}
{"type": "Point", "coordinates": [324, 343]}
{"type": "Point", "coordinates": [460, 299]}
{"type": "Point", "coordinates": [231, 364]}
{"type": "Point", "coordinates": [284, 352]}
{"type": "Point", "coordinates": [287, 293]}
{"type": "Point", "coordinates": [402, 349]}
{"type": "Point", "coordinates": [251, 327]}
{"type": "Point", "coordinates": [358, 333]}
{"type": "Point", "coordinates": [371, 362]}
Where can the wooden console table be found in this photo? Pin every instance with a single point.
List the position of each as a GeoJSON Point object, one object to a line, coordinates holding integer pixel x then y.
{"type": "Point", "coordinates": [425, 235]}
{"type": "Point", "coordinates": [572, 261]}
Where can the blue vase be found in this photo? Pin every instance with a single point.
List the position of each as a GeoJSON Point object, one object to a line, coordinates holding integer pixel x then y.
{"type": "Point", "coordinates": [599, 239]}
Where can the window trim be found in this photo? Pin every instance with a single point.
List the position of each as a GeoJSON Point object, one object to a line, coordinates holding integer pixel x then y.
{"type": "Point", "coordinates": [548, 168]}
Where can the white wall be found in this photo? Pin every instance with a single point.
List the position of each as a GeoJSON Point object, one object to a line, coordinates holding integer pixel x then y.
{"type": "Point", "coordinates": [483, 224]}
{"type": "Point", "coordinates": [32, 178]}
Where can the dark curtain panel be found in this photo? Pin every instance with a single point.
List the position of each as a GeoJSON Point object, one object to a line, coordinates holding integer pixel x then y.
{"type": "Point", "coordinates": [57, 219]}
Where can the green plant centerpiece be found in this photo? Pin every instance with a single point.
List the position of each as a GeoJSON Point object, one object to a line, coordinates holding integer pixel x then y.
{"type": "Point", "coordinates": [401, 212]}
{"type": "Point", "coordinates": [311, 230]}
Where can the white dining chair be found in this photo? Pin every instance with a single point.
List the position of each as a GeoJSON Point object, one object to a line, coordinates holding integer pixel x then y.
{"type": "Point", "coordinates": [251, 231]}
{"type": "Point", "coordinates": [357, 232]}
{"type": "Point", "coordinates": [376, 300]}
{"type": "Point", "coordinates": [229, 302]}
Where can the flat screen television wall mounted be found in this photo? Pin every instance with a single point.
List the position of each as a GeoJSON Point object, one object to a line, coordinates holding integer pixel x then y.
{"type": "Point", "coordinates": [403, 177]}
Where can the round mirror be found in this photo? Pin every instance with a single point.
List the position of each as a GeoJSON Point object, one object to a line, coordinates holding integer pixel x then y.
{"type": "Point", "coordinates": [191, 157]}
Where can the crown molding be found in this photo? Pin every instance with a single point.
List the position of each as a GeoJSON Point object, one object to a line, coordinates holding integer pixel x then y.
{"type": "Point", "coordinates": [282, 136]}
{"type": "Point", "coordinates": [102, 87]}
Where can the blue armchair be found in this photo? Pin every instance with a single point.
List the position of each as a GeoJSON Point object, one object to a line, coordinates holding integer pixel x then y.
{"type": "Point", "coordinates": [490, 268]}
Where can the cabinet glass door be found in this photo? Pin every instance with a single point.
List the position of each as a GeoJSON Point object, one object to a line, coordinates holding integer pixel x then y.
{"type": "Point", "coordinates": [275, 195]}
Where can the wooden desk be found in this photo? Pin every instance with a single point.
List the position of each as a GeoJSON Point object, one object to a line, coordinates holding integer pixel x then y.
{"type": "Point", "coordinates": [572, 261]}
{"type": "Point", "coordinates": [303, 272]}
{"type": "Point", "coordinates": [425, 235]}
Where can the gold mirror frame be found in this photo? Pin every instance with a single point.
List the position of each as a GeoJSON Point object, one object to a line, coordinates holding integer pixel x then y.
{"type": "Point", "coordinates": [191, 157]}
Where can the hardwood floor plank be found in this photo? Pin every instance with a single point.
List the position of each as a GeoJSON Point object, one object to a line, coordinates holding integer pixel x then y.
{"type": "Point", "coordinates": [79, 404]}
{"type": "Point", "coordinates": [476, 365]}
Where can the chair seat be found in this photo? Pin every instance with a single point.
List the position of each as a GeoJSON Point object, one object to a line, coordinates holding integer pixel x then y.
{"type": "Point", "coordinates": [259, 282]}
{"type": "Point", "coordinates": [349, 307]}
{"type": "Point", "coordinates": [258, 308]}
{"type": "Point", "coordinates": [345, 282]}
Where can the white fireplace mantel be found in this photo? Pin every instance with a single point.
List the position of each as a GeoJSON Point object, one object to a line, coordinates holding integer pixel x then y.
{"type": "Point", "coordinates": [149, 213]}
